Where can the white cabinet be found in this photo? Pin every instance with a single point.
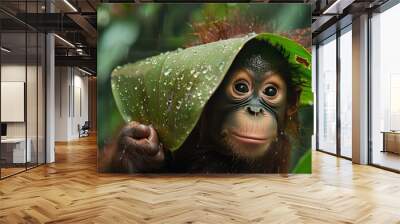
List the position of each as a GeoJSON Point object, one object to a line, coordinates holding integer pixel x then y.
{"type": "Point", "coordinates": [19, 155]}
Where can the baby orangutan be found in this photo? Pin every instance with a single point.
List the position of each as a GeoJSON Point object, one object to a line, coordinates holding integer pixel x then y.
{"type": "Point", "coordinates": [243, 128]}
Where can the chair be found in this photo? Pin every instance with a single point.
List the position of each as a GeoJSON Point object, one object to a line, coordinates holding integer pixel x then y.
{"type": "Point", "coordinates": [84, 130]}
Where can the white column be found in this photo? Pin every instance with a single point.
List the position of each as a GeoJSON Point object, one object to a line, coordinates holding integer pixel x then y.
{"type": "Point", "coordinates": [50, 100]}
{"type": "Point", "coordinates": [50, 93]}
{"type": "Point", "coordinates": [360, 90]}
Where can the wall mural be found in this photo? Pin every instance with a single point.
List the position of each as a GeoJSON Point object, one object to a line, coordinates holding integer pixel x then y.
{"type": "Point", "coordinates": [204, 88]}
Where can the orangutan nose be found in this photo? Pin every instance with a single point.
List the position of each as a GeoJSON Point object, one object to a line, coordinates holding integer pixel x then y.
{"type": "Point", "coordinates": [253, 110]}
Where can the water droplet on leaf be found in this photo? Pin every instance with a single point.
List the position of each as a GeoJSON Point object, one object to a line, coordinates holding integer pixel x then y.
{"type": "Point", "coordinates": [166, 73]}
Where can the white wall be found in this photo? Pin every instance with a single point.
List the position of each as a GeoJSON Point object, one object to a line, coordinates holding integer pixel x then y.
{"type": "Point", "coordinates": [62, 81]}
{"type": "Point", "coordinates": [80, 112]}
{"type": "Point", "coordinates": [71, 94]}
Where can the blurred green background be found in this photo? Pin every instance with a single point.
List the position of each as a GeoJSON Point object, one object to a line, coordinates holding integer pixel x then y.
{"type": "Point", "coordinates": [130, 32]}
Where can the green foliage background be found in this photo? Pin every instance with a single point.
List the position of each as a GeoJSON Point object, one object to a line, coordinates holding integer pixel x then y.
{"type": "Point", "coordinates": [130, 32]}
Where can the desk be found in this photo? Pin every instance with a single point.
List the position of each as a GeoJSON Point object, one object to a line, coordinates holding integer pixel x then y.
{"type": "Point", "coordinates": [391, 141]}
{"type": "Point", "coordinates": [15, 148]}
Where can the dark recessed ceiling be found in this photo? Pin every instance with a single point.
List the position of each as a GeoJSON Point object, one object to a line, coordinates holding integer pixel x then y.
{"type": "Point", "coordinates": [79, 28]}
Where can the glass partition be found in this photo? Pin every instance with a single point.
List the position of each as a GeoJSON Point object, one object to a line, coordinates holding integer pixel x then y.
{"type": "Point", "coordinates": [13, 95]}
{"type": "Point", "coordinates": [22, 88]}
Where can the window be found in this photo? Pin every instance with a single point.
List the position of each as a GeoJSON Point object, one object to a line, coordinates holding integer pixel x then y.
{"type": "Point", "coordinates": [327, 96]}
{"type": "Point", "coordinates": [385, 89]}
{"type": "Point", "coordinates": [346, 92]}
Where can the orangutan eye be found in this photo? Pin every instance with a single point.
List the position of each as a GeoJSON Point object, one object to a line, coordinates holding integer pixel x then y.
{"type": "Point", "coordinates": [241, 87]}
{"type": "Point", "coordinates": [270, 91]}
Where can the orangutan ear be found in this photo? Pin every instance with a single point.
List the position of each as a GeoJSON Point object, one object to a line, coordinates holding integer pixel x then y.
{"type": "Point", "coordinates": [294, 102]}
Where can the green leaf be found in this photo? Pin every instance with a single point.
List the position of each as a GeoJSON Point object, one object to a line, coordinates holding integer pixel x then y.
{"type": "Point", "coordinates": [298, 56]}
{"type": "Point", "coordinates": [304, 164]}
{"type": "Point", "coordinates": [170, 90]}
